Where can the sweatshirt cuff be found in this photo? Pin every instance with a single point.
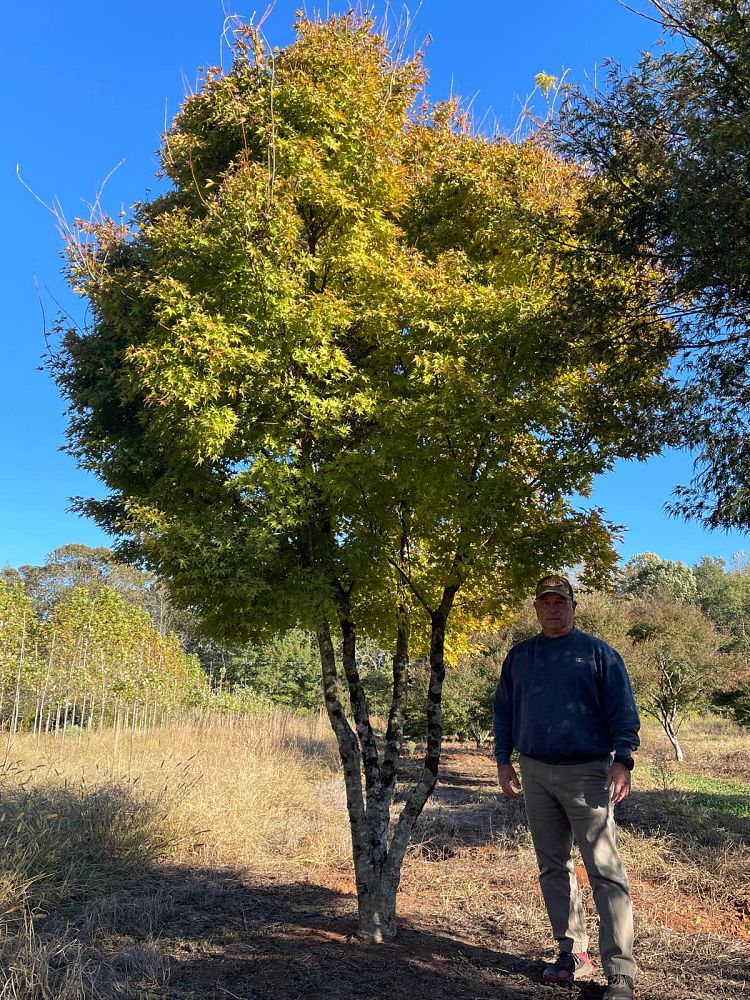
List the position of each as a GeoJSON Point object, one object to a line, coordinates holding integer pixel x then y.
{"type": "Point", "coordinates": [502, 757]}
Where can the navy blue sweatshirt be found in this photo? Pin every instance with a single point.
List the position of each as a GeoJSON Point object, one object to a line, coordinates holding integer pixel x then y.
{"type": "Point", "coordinates": [564, 701]}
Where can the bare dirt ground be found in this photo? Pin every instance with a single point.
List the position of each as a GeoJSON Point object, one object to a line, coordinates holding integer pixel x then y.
{"type": "Point", "coordinates": [471, 921]}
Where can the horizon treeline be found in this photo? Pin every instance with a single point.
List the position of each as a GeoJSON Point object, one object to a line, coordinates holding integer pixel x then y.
{"type": "Point", "coordinates": [87, 641]}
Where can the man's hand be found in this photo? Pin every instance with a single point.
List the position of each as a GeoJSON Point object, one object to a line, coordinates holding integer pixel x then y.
{"type": "Point", "coordinates": [618, 779]}
{"type": "Point", "coordinates": [508, 779]}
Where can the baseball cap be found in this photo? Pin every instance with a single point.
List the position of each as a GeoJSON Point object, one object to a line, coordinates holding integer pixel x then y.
{"type": "Point", "coordinates": [555, 585]}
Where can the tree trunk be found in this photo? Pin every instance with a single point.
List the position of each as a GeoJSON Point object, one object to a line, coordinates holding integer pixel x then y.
{"type": "Point", "coordinates": [376, 905]}
{"type": "Point", "coordinates": [378, 863]}
{"type": "Point", "coordinates": [421, 792]}
{"type": "Point", "coordinates": [368, 806]}
{"type": "Point", "coordinates": [671, 732]}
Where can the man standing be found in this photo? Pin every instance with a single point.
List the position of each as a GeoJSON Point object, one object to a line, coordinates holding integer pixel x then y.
{"type": "Point", "coordinates": [564, 701]}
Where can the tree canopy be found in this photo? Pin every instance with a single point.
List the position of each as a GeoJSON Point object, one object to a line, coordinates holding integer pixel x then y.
{"type": "Point", "coordinates": [76, 565]}
{"type": "Point", "coordinates": [357, 367]}
{"type": "Point", "coordinates": [647, 575]}
{"type": "Point", "coordinates": [669, 145]}
{"type": "Point", "coordinates": [353, 324]}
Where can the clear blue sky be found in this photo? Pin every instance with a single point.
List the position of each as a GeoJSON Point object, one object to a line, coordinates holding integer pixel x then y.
{"type": "Point", "coordinates": [88, 84]}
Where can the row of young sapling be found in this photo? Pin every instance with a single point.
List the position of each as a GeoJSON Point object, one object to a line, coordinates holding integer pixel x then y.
{"type": "Point", "coordinates": [92, 690]}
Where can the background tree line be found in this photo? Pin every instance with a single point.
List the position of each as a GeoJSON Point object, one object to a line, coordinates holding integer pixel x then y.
{"type": "Point", "coordinates": [87, 641]}
{"type": "Point", "coordinates": [90, 631]}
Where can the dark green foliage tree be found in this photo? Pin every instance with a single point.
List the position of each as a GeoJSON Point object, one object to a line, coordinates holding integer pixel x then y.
{"type": "Point", "coordinates": [375, 668]}
{"type": "Point", "coordinates": [469, 691]}
{"type": "Point", "coordinates": [669, 143]}
{"type": "Point", "coordinates": [467, 698]}
{"type": "Point", "coordinates": [724, 596]}
{"type": "Point", "coordinates": [286, 669]}
{"type": "Point", "coordinates": [349, 374]}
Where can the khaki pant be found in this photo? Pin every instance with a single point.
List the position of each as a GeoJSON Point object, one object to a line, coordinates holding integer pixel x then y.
{"type": "Point", "coordinates": [566, 802]}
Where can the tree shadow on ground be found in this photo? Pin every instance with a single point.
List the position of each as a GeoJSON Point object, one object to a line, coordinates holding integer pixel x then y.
{"type": "Point", "coordinates": [471, 808]}
{"type": "Point", "coordinates": [228, 934]}
{"type": "Point", "coordinates": [465, 809]}
{"type": "Point", "coordinates": [194, 933]}
{"type": "Point", "coordinates": [229, 937]}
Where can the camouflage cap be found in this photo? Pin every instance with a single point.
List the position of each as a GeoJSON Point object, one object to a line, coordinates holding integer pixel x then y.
{"type": "Point", "coordinates": [555, 585]}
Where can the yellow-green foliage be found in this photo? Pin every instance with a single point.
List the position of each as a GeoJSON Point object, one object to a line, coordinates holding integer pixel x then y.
{"type": "Point", "coordinates": [16, 616]}
{"type": "Point", "coordinates": [93, 648]}
{"type": "Point", "coordinates": [357, 349]}
{"type": "Point", "coordinates": [96, 640]}
{"type": "Point", "coordinates": [17, 627]}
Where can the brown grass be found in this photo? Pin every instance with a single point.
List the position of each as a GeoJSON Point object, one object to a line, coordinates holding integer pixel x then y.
{"type": "Point", "coordinates": [81, 820]}
{"type": "Point", "coordinates": [99, 836]}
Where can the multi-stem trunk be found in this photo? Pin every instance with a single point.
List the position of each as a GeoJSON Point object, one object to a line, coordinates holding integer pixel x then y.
{"type": "Point", "coordinates": [370, 772]}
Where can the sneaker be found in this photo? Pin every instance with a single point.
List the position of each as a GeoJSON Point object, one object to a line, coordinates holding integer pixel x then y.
{"type": "Point", "coordinates": [620, 988]}
{"type": "Point", "coordinates": [568, 967]}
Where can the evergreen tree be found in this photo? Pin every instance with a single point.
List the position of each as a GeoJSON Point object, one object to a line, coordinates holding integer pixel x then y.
{"type": "Point", "coordinates": [669, 145]}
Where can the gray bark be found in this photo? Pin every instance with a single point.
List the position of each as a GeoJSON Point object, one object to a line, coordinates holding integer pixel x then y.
{"type": "Point", "coordinates": [378, 860]}
{"type": "Point", "coordinates": [671, 732]}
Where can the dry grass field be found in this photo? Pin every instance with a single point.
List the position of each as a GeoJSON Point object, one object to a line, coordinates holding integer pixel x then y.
{"type": "Point", "coordinates": [213, 861]}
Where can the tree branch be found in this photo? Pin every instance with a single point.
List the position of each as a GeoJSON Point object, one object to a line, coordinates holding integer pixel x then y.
{"type": "Point", "coordinates": [345, 738]}
{"type": "Point", "coordinates": [358, 703]}
{"type": "Point", "coordinates": [407, 580]}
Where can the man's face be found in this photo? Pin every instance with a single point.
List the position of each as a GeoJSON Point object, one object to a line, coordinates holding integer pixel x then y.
{"type": "Point", "coordinates": [555, 614]}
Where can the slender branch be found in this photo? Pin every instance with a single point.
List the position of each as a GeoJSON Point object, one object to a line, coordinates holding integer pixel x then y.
{"type": "Point", "coordinates": [345, 738]}
{"type": "Point", "coordinates": [419, 795]}
{"type": "Point", "coordinates": [692, 30]}
{"type": "Point", "coordinates": [477, 457]}
{"type": "Point", "coordinates": [395, 730]}
{"type": "Point", "coordinates": [407, 580]}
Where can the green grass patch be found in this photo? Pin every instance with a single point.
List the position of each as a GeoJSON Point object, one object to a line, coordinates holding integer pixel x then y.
{"type": "Point", "coordinates": [723, 796]}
